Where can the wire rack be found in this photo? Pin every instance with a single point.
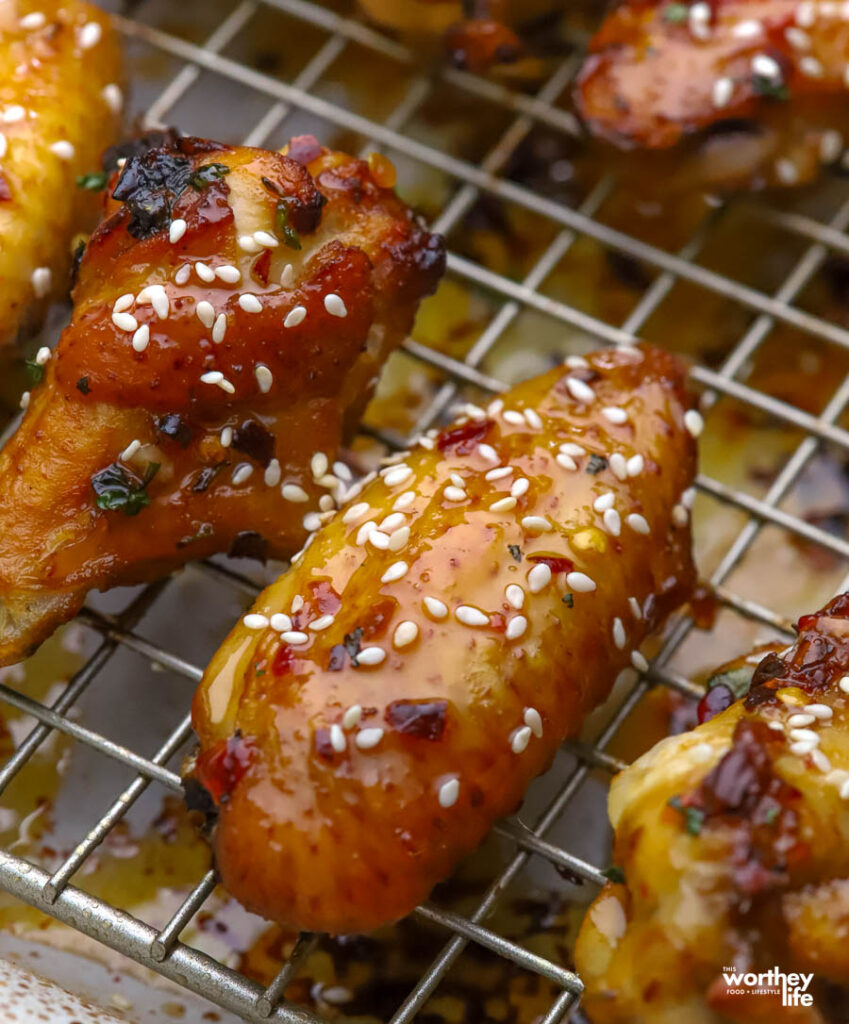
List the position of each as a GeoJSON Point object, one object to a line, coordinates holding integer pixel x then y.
{"type": "Point", "coordinates": [192, 62]}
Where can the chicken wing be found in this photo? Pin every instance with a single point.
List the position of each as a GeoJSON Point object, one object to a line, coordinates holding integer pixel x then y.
{"type": "Point", "coordinates": [394, 694]}
{"type": "Point", "coordinates": [230, 321]}
{"type": "Point", "coordinates": [749, 92]}
{"type": "Point", "coordinates": [60, 105]}
{"type": "Point", "coordinates": [734, 843]}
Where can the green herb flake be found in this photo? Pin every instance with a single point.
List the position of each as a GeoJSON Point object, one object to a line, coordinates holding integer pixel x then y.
{"type": "Point", "coordinates": [596, 464]}
{"type": "Point", "coordinates": [738, 680]}
{"type": "Point", "coordinates": [771, 815]}
{"type": "Point", "coordinates": [694, 817]}
{"type": "Point", "coordinates": [675, 13]}
{"type": "Point", "coordinates": [205, 175]}
{"type": "Point", "coordinates": [614, 874]}
{"type": "Point", "coordinates": [290, 236]}
{"type": "Point", "coordinates": [83, 385]}
{"type": "Point", "coordinates": [515, 552]}
{"type": "Point", "coordinates": [93, 182]}
{"type": "Point", "coordinates": [120, 490]}
{"type": "Point", "coordinates": [770, 88]}
{"type": "Point", "coordinates": [35, 371]}
{"type": "Point", "coordinates": [568, 600]}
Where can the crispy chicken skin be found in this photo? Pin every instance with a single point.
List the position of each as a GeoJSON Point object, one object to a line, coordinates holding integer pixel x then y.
{"type": "Point", "coordinates": [734, 843]}
{"type": "Point", "coordinates": [59, 109]}
{"type": "Point", "coordinates": [754, 92]}
{"type": "Point", "coordinates": [395, 692]}
{"type": "Point", "coordinates": [180, 416]}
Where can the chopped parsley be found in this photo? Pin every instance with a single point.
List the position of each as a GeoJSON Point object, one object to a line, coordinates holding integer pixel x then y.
{"type": "Point", "coordinates": [515, 551]}
{"type": "Point", "coordinates": [568, 600]}
{"type": "Point", "coordinates": [676, 13]}
{"type": "Point", "coordinates": [771, 815]}
{"type": "Point", "coordinates": [35, 371]}
{"type": "Point", "coordinates": [93, 182]}
{"type": "Point", "coordinates": [120, 490]}
{"type": "Point", "coordinates": [615, 874]}
{"type": "Point", "coordinates": [596, 464]}
{"type": "Point", "coordinates": [694, 817]}
{"type": "Point", "coordinates": [771, 88]}
{"type": "Point", "coordinates": [290, 236]}
{"type": "Point", "coordinates": [205, 175]}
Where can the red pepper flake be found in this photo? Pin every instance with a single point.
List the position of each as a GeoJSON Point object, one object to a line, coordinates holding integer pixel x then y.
{"type": "Point", "coordinates": [464, 438]}
{"type": "Point", "coordinates": [304, 149]}
{"type": "Point", "coordinates": [284, 660]}
{"type": "Point", "coordinates": [554, 562]}
{"type": "Point", "coordinates": [221, 768]}
{"type": "Point", "coordinates": [424, 719]}
{"type": "Point", "coordinates": [261, 266]}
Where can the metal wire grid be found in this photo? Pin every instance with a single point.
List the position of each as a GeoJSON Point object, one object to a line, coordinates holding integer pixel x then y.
{"type": "Point", "coordinates": [162, 950]}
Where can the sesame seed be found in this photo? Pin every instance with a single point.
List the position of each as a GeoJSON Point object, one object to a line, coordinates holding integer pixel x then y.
{"type": "Point", "coordinates": [604, 501]}
{"type": "Point", "coordinates": [580, 582]}
{"type": "Point", "coordinates": [369, 738]}
{"type": "Point", "coordinates": [806, 14]}
{"type": "Point", "coordinates": [404, 500]}
{"type": "Point", "coordinates": [141, 338]}
{"type": "Point", "coordinates": [255, 621]}
{"type": "Point", "coordinates": [130, 450]}
{"type": "Point", "coordinates": [614, 414]}
{"type": "Point", "coordinates": [204, 272]}
{"type": "Point", "coordinates": [516, 627]}
{"type": "Point", "coordinates": [576, 363]}
{"type": "Point", "coordinates": [295, 637]}
{"type": "Point", "coordinates": [570, 448]}
{"type": "Point", "coordinates": [801, 748]}
{"type": "Point", "coordinates": [799, 721]}
{"type": "Point", "coordinates": [471, 616]}
{"type": "Point", "coordinates": [295, 316]}
{"type": "Point", "coordinates": [486, 451]}
{"type": "Point", "coordinates": [436, 608]}
{"type": "Point", "coordinates": [320, 624]}
{"type": "Point", "coordinates": [326, 502]}
{"type": "Point", "coordinates": [520, 739]}
{"type": "Point", "coordinates": [311, 522]}
{"type": "Point", "coordinates": [520, 487]}
{"type": "Point", "coordinates": [399, 538]}
{"type": "Point", "coordinates": [638, 523]}
{"type": "Point", "coordinates": [844, 790]}
{"type": "Point", "coordinates": [264, 378]}
{"type": "Point", "coordinates": [342, 471]}
{"type": "Point", "coordinates": [297, 604]}
{"type": "Point", "coordinates": [820, 761]}
{"type": "Point", "coordinates": [843, 684]}
{"type": "Point", "coordinates": [639, 662]}
{"type": "Point", "coordinates": [580, 391]}
{"type": "Point", "coordinates": [458, 481]}
{"type": "Point", "coordinates": [798, 39]}
{"type": "Point", "coordinates": [396, 571]}
{"type": "Point", "coordinates": [393, 521]}
{"type": "Point", "coordinates": [514, 418]}
{"type": "Point", "coordinates": [89, 35]}
{"type": "Point", "coordinates": [619, 636]}
{"type": "Point", "coordinates": [13, 114]}
{"type": "Point", "coordinates": [266, 239]}
{"type": "Point", "coordinates": [371, 656]}
{"type": "Point", "coordinates": [455, 493]}
{"type": "Point", "coordinates": [811, 67]}
{"type": "Point", "coordinates": [766, 67]}
{"type": "Point", "coordinates": [634, 605]}
{"type": "Point", "coordinates": [566, 461]}
{"type": "Point", "coordinates": [205, 313]}
{"type": "Point", "coordinates": [495, 406]}
{"type": "Point", "coordinates": [680, 516]}
{"type": "Point", "coordinates": [688, 497]}
{"type": "Point", "coordinates": [228, 273]}
{"type": "Point", "coordinates": [532, 419]}
{"type": "Point", "coordinates": [294, 492]}
{"type": "Point", "coordinates": [747, 29]}
{"type": "Point", "coordinates": [378, 539]}
{"type": "Point", "coordinates": [250, 303]}
{"type": "Point", "coordinates": [355, 512]}
{"type": "Point", "coordinates": [287, 277]}
{"type": "Point", "coordinates": [820, 711]}
{"type": "Point", "coordinates": [156, 296]}
{"type": "Point", "coordinates": [352, 716]}
{"type": "Point", "coordinates": [4, 145]}
{"type": "Point", "coordinates": [125, 321]}
{"type": "Point", "coordinates": [334, 305]}
{"type": "Point", "coordinates": [226, 437]}
{"type": "Point", "coordinates": [219, 328]}
{"type": "Point", "coordinates": [723, 89]}
{"type": "Point", "coordinates": [612, 522]}
{"type": "Point", "coordinates": [177, 230]}
{"type": "Point", "coordinates": [533, 720]}
{"type": "Point", "coordinates": [63, 149]}
{"type": "Point", "coordinates": [515, 595]}
{"type": "Point", "coordinates": [635, 465]}
{"type": "Point", "coordinates": [449, 792]}
{"type": "Point", "coordinates": [397, 475]}
{"type": "Point", "coordinates": [280, 622]}
{"type": "Point", "coordinates": [41, 280]}
{"type": "Point", "coordinates": [32, 21]}
{"type": "Point", "coordinates": [42, 357]}
{"type": "Point", "coordinates": [113, 97]}
{"type": "Point", "coordinates": [536, 524]}
{"type": "Point", "coordinates": [539, 577]}
{"type": "Point", "coordinates": [247, 244]}
{"type": "Point", "coordinates": [503, 505]}
{"type": "Point", "coordinates": [242, 473]}
{"type": "Point", "coordinates": [619, 465]}
{"type": "Point", "coordinates": [498, 473]}
{"type": "Point", "coordinates": [364, 531]}
{"type": "Point", "coordinates": [831, 146]}
{"type": "Point", "coordinates": [405, 633]}
{"type": "Point", "coordinates": [183, 274]}
{"type": "Point", "coordinates": [337, 739]}
{"type": "Point", "coordinates": [24, 402]}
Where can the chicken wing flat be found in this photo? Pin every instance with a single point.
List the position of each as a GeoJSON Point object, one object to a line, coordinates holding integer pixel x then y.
{"type": "Point", "coordinates": [60, 105]}
{"type": "Point", "coordinates": [753, 92]}
{"type": "Point", "coordinates": [230, 321]}
{"type": "Point", "coordinates": [734, 844]}
{"type": "Point", "coordinates": [395, 692]}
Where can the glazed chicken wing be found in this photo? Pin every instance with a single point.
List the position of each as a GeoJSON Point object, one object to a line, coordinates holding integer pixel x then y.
{"type": "Point", "coordinates": [230, 320]}
{"type": "Point", "coordinates": [749, 92]}
{"type": "Point", "coordinates": [395, 692]}
{"type": "Point", "coordinates": [734, 843]}
{"type": "Point", "coordinates": [60, 106]}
